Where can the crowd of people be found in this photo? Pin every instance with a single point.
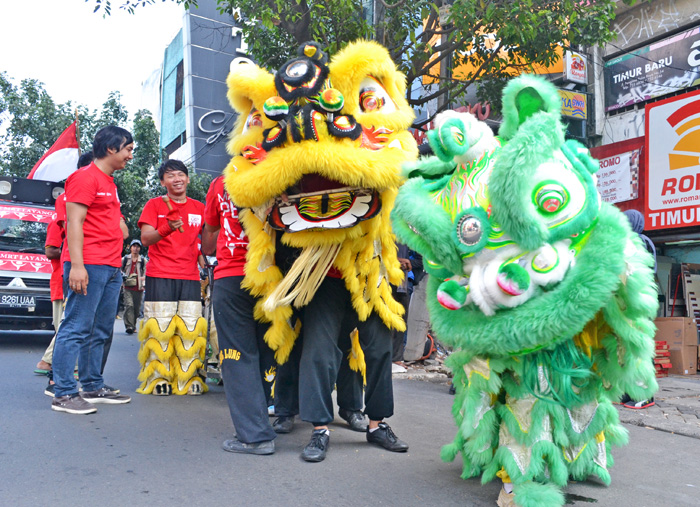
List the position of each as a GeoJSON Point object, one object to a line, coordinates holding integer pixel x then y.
{"type": "Point", "coordinates": [85, 243]}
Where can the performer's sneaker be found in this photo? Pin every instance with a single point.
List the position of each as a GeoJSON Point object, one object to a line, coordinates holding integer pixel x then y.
{"type": "Point", "coordinates": [355, 419]}
{"type": "Point", "coordinates": [315, 450]}
{"type": "Point", "coordinates": [105, 396]}
{"type": "Point", "coordinates": [162, 388]}
{"type": "Point", "coordinates": [283, 424]}
{"type": "Point", "coordinates": [624, 399]}
{"type": "Point", "coordinates": [639, 404]}
{"type": "Point", "coordinates": [72, 404]}
{"type": "Point", "coordinates": [386, 438]}
{"type": "Point", "coordinates": [260, 448]}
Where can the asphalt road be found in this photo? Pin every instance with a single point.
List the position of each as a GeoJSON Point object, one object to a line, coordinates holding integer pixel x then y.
{"type": "Point", "coordinates": [167, 451]}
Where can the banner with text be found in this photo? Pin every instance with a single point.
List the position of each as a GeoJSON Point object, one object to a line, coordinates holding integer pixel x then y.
{"type": "Point", "coordinates": [661, 68]}
{"type": "Point", "coordinates": [673, 162]}
{"type": "Point", "coordinates": [618, 177]}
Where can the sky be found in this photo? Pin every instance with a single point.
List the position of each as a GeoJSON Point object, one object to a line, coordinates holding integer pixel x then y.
{"type": "Point", "coordinates": [81, 56]}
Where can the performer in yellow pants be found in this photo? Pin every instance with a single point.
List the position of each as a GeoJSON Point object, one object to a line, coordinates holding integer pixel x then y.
{"type": "Point", "coordinates": [173, 334]}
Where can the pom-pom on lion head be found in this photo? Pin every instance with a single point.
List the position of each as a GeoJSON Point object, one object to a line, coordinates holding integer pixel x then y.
{"type": "Point", "coordinates": [317, 152]}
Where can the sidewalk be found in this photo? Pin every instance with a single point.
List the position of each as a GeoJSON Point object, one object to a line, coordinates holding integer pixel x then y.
{"type": "Point", "coordinates": [677, 408]}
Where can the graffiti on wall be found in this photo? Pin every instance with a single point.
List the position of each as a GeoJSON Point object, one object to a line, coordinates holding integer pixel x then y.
{"type": "Point", "coordinates": [651, 20]}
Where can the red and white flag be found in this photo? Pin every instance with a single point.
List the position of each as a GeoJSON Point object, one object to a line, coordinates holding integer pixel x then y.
{"type": "Point", "coordinates": [61, 160]}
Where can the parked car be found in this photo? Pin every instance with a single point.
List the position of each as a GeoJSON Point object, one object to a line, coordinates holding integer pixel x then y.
{"type": "Point", "coordinates": [26, 208]}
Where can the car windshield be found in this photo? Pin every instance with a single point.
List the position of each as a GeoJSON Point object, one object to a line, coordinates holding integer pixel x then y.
{"type": "Point", "coordinates": [22, 235]}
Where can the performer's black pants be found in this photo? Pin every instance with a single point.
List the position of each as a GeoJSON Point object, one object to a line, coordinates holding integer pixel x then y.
{"type": "Point", "coordinates": [170, 289]}
{"type": "Point", "coordinates": [348, 383]}
{"type": "Point", "coordinates": [242, 352]}
{"type": "Point", "coordinates": [329, 316]}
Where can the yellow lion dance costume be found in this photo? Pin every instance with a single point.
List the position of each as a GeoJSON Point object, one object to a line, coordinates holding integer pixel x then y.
{"type": "Point", "coordinates": [317, 152]}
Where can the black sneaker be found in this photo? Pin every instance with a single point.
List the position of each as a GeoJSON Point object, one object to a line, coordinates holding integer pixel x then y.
{"type": "Point", "coordinates": [49, 391]}
{"type": "Point", "coordinates": [355, 419]}
{"type": "Point", "coordinates": [386, 438]}
{"type": "Point", "coordinates": [260, 448]}
{"type": "Point", "coordinates": [73, 404]}
{"type": "Point", "coordinates": [105, 396]}
{"type": "Point", "coordinates": [283, 424]}
{"type": "Point", "coordinates": [315, 450]}
{"type": "Point", "coordinates": [625, 398]}
{"type": "Point", "coordinates": [129, 330]}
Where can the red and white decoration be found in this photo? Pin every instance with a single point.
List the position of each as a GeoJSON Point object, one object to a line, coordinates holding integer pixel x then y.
{"type": "Point", "coordinates": [62, 158]}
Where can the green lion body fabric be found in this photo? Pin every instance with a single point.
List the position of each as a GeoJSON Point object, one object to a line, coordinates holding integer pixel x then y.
{"type": "Point", "coordinates": [543, 291]}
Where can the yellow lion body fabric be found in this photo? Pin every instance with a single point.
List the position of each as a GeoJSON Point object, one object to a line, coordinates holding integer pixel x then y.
{"type": "Point", "coordinates": [317, 152]}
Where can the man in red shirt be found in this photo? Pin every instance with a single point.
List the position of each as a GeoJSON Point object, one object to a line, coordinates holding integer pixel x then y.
{"type": "Point", "coordinates": [92, 269]}
{"type": "Point", "coordinates": [173, 335]}
{"type": "Point", "coordinates": [242, 348]}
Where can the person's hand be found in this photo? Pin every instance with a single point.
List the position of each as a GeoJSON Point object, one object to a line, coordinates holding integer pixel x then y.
{"type": "Point", "coordinates": [78, 279]}
{"type": "Point", "coordinates": [173, 215]}
{"type": "Point", "coordinates": [174, 219]}
{"type": "Point", "coordinates": [175, 224]}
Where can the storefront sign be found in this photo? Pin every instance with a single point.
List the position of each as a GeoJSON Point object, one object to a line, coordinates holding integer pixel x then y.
{"type": "Point", "coordinates": [618, 177]}
{"type": "Point", "coordinates": [573, 104]}
{"type": "Point", "coordinates": [575, 67]}
{"type": "Point", "coordinates": [673, 162]}
{"type": "Point", "coordinates": [667, 66]}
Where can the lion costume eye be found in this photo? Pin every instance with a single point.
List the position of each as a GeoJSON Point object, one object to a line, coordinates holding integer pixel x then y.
{"type": "Point", "coordinates": [374, 98]}
{"type": "Point", "coordinates": [254, 120]}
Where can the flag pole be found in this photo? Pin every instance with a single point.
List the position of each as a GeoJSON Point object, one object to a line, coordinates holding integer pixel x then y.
{"type": "Point", "coordinates": [77, 131]}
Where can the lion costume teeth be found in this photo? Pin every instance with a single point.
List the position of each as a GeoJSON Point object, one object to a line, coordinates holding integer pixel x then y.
{"type": "Point", "coordinates": [317, 152]}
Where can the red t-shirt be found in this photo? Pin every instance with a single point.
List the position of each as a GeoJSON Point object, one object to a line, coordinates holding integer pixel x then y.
{"type": "Point", "coordinates": [103, 237]}
{"type": "Point", "coordinates": [61, 219]}
{"type": "Point", "coordinates": [232, 242]}
{"type": "Point", "coordinates": [54, 237]}
{"type": "Point", "coordinates": [174, 256]}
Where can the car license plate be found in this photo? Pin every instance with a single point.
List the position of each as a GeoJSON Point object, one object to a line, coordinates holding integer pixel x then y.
{"type": "Point", "coordinates": [17, 301]}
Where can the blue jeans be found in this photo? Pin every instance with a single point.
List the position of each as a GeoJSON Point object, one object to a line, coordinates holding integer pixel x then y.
{"type": "Point", "coordinates": [88, 322]}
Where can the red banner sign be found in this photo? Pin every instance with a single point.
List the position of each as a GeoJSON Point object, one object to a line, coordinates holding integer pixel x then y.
{"type": "Point", "coordinates": [31, 263]}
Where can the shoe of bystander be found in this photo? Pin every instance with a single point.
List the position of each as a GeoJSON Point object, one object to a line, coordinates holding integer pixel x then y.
{"type": "Point", "coordinates": [105, 396]}
{"type": "Point", "coordinates": [72, 404]}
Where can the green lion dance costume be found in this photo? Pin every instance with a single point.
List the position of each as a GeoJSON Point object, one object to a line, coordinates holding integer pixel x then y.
{"type": "Point", "coordinates": [542, 289]}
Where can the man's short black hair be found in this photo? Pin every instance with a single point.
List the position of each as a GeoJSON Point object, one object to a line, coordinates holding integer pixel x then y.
{"type": "Point", "coordinates": [110, 137]}
{"type": "Point", "coordinates": [171, 165]}
{"type": "Point", "coordinates": [85, 159]}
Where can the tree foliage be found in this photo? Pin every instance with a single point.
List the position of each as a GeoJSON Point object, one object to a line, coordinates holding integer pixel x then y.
{"type": "Point", "coordinates": [443, 46]}
{"type": "Point", "coordinates": [30, 122]}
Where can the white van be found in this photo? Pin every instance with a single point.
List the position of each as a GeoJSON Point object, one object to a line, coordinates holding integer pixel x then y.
{"type": "Point", "coordinates": [26, 208]}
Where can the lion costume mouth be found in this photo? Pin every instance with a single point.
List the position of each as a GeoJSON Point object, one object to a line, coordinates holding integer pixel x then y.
{"type": "Point", "coordinates": [316, 203]}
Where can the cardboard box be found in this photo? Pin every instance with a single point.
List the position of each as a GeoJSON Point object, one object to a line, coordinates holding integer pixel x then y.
{"type": "Point", "coordinates": [676, 331]}
{"type": "Point", "coordinates": [684, 360]}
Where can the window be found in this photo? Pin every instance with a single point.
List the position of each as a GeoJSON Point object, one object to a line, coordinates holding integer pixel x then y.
{"type": "Point", "coordinates": [179, 82]}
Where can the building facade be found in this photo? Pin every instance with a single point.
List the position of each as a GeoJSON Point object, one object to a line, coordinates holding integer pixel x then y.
{"type": "Point", "coordinates": [195, 114]}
